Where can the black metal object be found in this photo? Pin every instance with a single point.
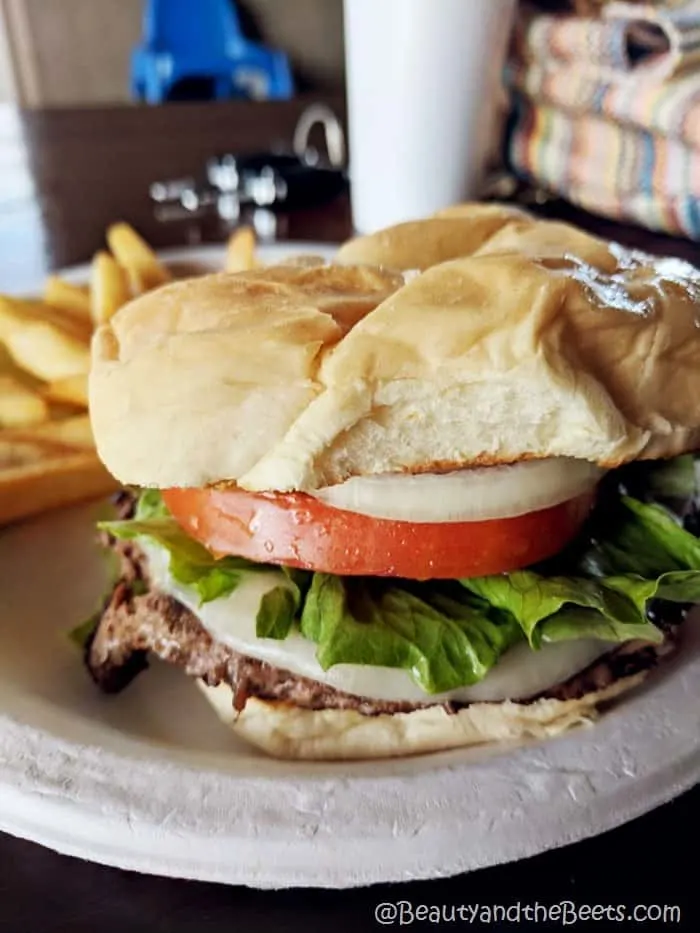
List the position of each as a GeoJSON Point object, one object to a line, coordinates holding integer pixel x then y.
{"type": "Point", "coordinates": [275, 180]}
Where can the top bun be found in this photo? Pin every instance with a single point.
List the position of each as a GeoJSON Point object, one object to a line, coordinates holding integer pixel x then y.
{"type": "Point", "coordinates": [196, 381]}
{"type": "Point", "coordinates": [419, 244]}
{"type": "Point", "coordinates": [293, 378]}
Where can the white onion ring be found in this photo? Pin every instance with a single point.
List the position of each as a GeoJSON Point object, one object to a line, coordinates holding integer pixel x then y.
{"type": "Point", "coordinates": [479, 494]}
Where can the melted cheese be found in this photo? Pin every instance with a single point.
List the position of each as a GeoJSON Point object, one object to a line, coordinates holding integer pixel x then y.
{"type": "Point", "coordinates": [519, 674]}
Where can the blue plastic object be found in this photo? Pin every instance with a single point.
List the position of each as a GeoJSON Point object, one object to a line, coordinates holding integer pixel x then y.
{"type": "Point", "coordinates": [200, 43]}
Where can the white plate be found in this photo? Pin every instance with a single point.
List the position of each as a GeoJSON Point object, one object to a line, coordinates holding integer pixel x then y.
{"type": "Point", "coordinates": [149, 780]}
{"type": "Point", "coordinates": [212, 255]}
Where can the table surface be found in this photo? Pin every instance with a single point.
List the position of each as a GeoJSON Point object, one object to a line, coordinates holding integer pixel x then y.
{"type": "Point", "coordinates": [64, 176]}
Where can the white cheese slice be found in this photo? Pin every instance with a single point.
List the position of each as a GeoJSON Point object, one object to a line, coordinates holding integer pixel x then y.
{"type": "Point", "coordinates": [519, 674]}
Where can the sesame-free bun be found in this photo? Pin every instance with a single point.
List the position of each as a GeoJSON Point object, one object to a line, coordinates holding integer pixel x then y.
{"type": "Point", "coordinates": [552, 239]}
{"type": "Point", "coordinates": [293, 378]}
{"type": "Point", "coordinates": [288, 731]}
{"type": "Point", "coordinates": [419, 244]}
{"type": "Point", "coordinates": [476, 229]}
{"type": "Point", "coordinates": [198, 380]}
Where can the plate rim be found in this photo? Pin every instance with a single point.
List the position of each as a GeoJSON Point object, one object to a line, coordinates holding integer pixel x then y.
{"type": "Point", "coordinates": [79, 272]}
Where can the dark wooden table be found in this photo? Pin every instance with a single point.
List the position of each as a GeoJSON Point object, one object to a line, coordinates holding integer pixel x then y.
{"type": "Point", "coordinates": [64, 176]}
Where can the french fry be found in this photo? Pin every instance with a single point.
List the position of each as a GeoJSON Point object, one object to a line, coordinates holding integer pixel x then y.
{"type": "Point", "coordinates": [71, 299]}
{"type": "Point", "coordinates": [36, 478]}
{"type": "Point", "coordinates": [240, 250]}
{"type": "Point", "coordinates": [71, 390]}
{"type": "Point", "coordinates": [13, 308]}
{"type": "Point", "coordinates": [109, 287]}
{"type": "Point", "coordinates": [74, 432]}
{"type": "Point", "coordinates": [19, 405]}
{"type": "Point", "coordinates": [138, 259]}
{"type": "Point", "coordinates": [41, 346]}
{"type": "Point", "coordinates": [8, 367]}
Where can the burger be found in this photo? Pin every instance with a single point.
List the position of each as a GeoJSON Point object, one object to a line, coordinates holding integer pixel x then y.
{"type": "Point", "coordinates": [380, 507]}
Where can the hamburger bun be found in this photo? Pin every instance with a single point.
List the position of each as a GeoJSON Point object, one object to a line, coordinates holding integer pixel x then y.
{"type": "Point", "coordinates": [419, 244]}
{"type": "Point", "coordinates": [288, 731]}
{"type": "Point", "coordinates": [195, 381]}
{"type": "Point", "coordinates": [541, 358]}
{"type": "Point", "coordinates": [299, 378]}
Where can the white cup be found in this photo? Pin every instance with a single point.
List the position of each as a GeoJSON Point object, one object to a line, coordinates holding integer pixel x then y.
{"type": "Point", "coordinates": [423, 80]}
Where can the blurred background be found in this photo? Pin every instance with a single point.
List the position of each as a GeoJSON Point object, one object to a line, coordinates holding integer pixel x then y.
{"type": "Point", "coordinates": [57, 53]}
{"type": "Point", "coordinates": [599, 100]}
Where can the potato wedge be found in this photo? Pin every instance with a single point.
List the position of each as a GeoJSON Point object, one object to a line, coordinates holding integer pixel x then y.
{"type": "Point", "coordinates": [71, 299]}
{"type": "Point", "coordinates": [19, 405]}
{"type": "Point", "coordinates": [240, 251]}
{"type": "Point", "coordinates": [138, 259]}
{"type": "Point", "coordinates": [109, 287]}
{"type": "Point", "coordinates": [44, 348]}
{"type": "Point", "coordinates": [71, 390]}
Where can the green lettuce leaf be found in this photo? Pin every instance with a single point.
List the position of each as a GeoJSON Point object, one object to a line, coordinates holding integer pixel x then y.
{"type": "Point", "coordinates": [190, 562]}
{"type": "Point", "coordinates": [639, 538]}
{"type": "Point", "coordinates": [82, 633]}
{"type": "Point", "coordinates": [616, 609]}
{"type": "Point", "coordinates": [645, 555]}
{"type": "Point", "coordinates": [444, 642]}
{"type": "Point", "coordinates": [277, 613]}
{"type": "Point", "coordinates": [673, 479]}
{"type": "Point", "coordinates": [573, 623]}
{"type": "Point", "coordinates": [150, 505]}
{"type": "Point", "coordinates": [192, 565]}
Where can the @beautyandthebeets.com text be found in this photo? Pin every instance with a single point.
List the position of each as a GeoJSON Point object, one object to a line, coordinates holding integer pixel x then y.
{"type": "Point", "coordinates": [566, 913]}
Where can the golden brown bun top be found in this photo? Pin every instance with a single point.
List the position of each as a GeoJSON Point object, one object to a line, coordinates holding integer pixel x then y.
{"type": "Point", "coordinates": [419, 244]}
{"type": "Point", "coordinates": [197, 380]}
{"type": "Point", "coordinates": [488, 359]}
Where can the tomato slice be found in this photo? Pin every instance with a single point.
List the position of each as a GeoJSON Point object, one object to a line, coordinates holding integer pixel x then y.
{"type": "Point", "coordinates": [297, 530]}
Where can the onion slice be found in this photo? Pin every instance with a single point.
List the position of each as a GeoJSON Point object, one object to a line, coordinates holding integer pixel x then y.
{"type": "Point", "coordinates": [479, 494]}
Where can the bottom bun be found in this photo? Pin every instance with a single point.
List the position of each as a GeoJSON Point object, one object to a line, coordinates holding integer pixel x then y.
{"type": "Point", "coordinates": [288, 731]}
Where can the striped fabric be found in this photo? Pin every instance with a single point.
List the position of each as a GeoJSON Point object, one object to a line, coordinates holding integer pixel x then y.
{"type": "Point", "coordinates": [622, 172]}
{"type": "Point", "coordinates": [608, 111]}
{"type": "Point", "coordinates": [598, 46]}
{"type": "Point", "coordinates": [669, 108]}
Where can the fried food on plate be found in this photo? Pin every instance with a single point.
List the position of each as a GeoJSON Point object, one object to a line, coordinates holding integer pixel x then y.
{"type": "Point", "coordinates": [73, 432]}
{"type": "Point", "coordinates": [144, 269]}
{"type": "Point", "coordinates": [109, 287]}
{"type": "Point", "coordinates": [47, 451]}
{"type": "Point", "coordinates": [240, 250]}
{"type": "Point", "coordinates": [72, 299]}
{"type": "Point", "coordinates": [41, 342]}
{"type": "Point", "coordinates": [71, 390]}
{"type": "Point", "coordinates": [38, 474]}
{"type": "Point", "coordinates": [20, 405]}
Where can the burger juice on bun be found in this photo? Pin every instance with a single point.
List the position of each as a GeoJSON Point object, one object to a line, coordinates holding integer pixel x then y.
{"type": "Point", "coordinates": [400, 504]}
